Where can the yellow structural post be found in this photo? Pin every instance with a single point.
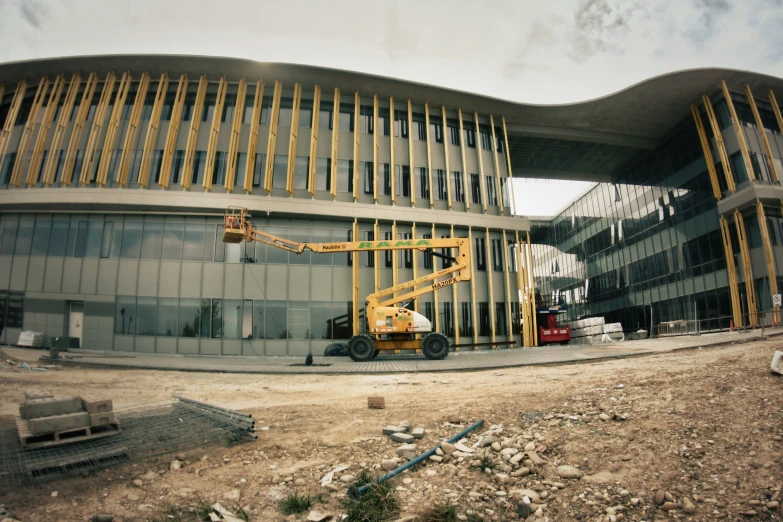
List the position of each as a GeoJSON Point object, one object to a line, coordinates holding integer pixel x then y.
{"type": "Point", "coordinates": [97, 129]}
{"type": "Point", "coordinates": [59, 130]}
{"type": "Point", "coordinates": [355, 281]}
{"type": "Point", "coordinates": [776, 109]}
{"type": "Point", "coordinates": [411, 163]}
{"type": "Point", "coordinates": [112, 129]}
{"type": "Point", "coordinates": [474, 317]}
{"type": "Point", "coordinates": [236, 130]}
{"type": "Point", "coordinates": [274, 119]}
{"type": "Point", "coordinates": [705, 147]}
{"type": "Point", "coordinates": [468, 191]}
{"type": "Point", "coordinates": [376, 258]}
{"type": "Point", "coordinates": [252, 142]}
{"type": "Point", "coordinates": [392, 149]}
{"type": "Point", "coordinates": [496, 164]}
{"type": "Point", "coordinates": [740, 133]}
{"type": "Point", "coordinates": [335, 140]}
{"type": "Point", "coordinates": [429, 152]}
{"type": "Point", "coordinates": [171, 135]}
{"type": "Point", "coordinates": [133, 128]}
{"type": "Point", "coordinates": [446, 157]}
{"type": "Point", "coordinates": [195, 125]}
{"type": "Point", "coordinates": [731, 271]}
{"type": "Point", "coordinates": [455, 304]}
{"type": "Point", "coordinates": [312, 168]}
{"type": "Point", "coordinates": [10, 119]}
{"type": "Point", "coordinates": [482, 182]}
{"type": "Point", "coordinates": [43, 130]}
{"type": "Point", "coordinates": [435, 299]}
{"type": "Point", "coordinates": [522, 291]}
{"type": "Point", "coordinates": [415, 258]}
{"type": "Point", "coordinates": [747, 269]}
{"type": "Point", "coordinates": [375, 147]}
{"type": "Point", "coordinates": [356, 141]}
{"type": "Point", "coordinates": [769, 257]}
{"type": "Point", "coordinates": [508, 167]}
{"type": "Point", "coordinates": [490, 284]}
{"type": "Point", "coordinates": [507, 287]}
{"type": "Point", "coordinates": [532, 287]}
{"type": "Point", "coordinates": [773, 169]}
{"type": "Point", "coordinates": [716, 132]}
{"type": "Point", "coordinates": [214, 133]}
{"type": "Point", "coordinates": [78, 128]}
{"type": "Point", "coordinates": [27, 132]}
{"type": "Point", "coordinates": [294, 136]}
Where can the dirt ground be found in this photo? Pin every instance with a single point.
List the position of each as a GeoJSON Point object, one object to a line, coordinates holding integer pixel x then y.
{"type": "Point", "coordinates": [700, 430]}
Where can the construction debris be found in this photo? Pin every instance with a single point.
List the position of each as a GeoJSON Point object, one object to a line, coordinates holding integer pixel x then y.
{"type": "Point", "coordinates": [376, 403]}
{"type": "Point", "coordinates": [30, 339]}
{"type": "Point", "coordinates": [777, 362]}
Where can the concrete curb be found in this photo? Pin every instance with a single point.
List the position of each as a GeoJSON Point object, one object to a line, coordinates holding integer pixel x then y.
{"type": "Point", "coordinates": [271, 371]}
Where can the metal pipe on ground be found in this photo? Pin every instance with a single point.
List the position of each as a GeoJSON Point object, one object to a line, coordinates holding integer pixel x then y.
{"type": "Point", "coordinates": [355, 492]}
{"type": "Point", "coordinates": [218, 409]}
{"type": "Point", "coordinates": [221, 419]}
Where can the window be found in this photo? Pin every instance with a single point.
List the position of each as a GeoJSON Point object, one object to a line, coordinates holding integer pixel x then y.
{"type": "Point", "coordinates": [427, 254]}
{"type": "Point", "coordinates": [266, 108]}
{"type": "Point", "coordinates": [384, 179]}
{"type": "Point", "coordinates": [280, 171]}
{"type": "Point", "coordinates": [306, 113]}
{"type": "Point", "coordinates": [383, 123]}
{"type": "Point", "coordinates": [447, 319]}
{"type": "Point", "coordinates": [388, 255]}
{"type": "Point", "coordinates": [366, 119]}
{"type": "Point", "coordinates": [345, 176]}
{"type": "Point", "coordinates": [152, 241]}
{"type": "Point", "coordinates": [178, 164]}
{"type": "Point", "coordinates": [106, 239]}
{"type": "Point", "coordinates": [258, 169]}
{"type": "Point", "coordinates": [323, 174]}
{"type": "Point", "coordinates": [446, 256]}
{"type": "Point", "coordinates": [470, 135]}
{"type": "Point", "coordinates": [232, 319]}
{"type": "Point", "coordinates": [7, 168]}
{"type": "Point", "coordinates": [193, 244]}
{"type": "Point", "coordinates": [419, 127]}
{"type": "Point", "coordinates": [125, 315]}
{"type": "Point", "coordinates": [424, 183]}
{"type": "Point", "coordinates": [190, 317]}
{"type": "Point", "coordinates": [145, 316]}
{"type": "Point", "coordinates": [228, 108]}
{"type": "Point", "coordinates": [58, 238]}
{"type": "Point", "coordinates": [475, 189]}
{"type": "Point", "coordinates": [486, 137]}
{"type": "Point", "coordinates": [456, 185]}
{"type": "Point", "coordinates": [369, 260]}
{"type": "Point", "coordinates": [406, 256]}
{"type": "Point", "coordinates": [453, 132]}
{"type": "Point", "coordinates": [217, 319]}
{"type": "Point", "coordinates": [492, 195]}
{"type": "Point", "coordinates": [497, 255]}
{"type": "Point", "coordinates": [366, 168]}
{"type": "Point", "coordinates": [199, 163]}
{"type": "Point", "coordinates": [258, 319]}
{"type": "Point", "coordinates": [403, 180]}
{"type": "Point", "coordinates": [501, 143]}
{"type": "Point", "coordinates": [483, 319]}
{"type": "Point", "coordinates": [173, 234]}
{"type": "Point", "coordinates": [275, 320]}
{"type": "Point", "coordinates": [321, 320]}
{"type": "Point", "coordinates": [481, 254]}
{"type": "Point", "coordinates": [167, 317]}
{"type": "Point", "coordinates": [325, 115]}
{"type": "Point", "coordinates": [500, 318]}
{"type": "Point", "coordinates": [436, 129]}
{"type": "Point", "coordinates": [401, 123]}
{"type": "Point", "coordinates": [41, 237]}
{"type": "Point", "coordinates": [131, 240]}
{"type": "Point", "coordinates": [157, 163]}
{"type": "Point", "coordinates": [219, 169]}
{"type": "Point", "coordinates": [286, 112]}
{"type": "Point", "coordinates": [465, 320]}
{"type": "Point", "coordinates": [302, 172]}
{"type": "Point", "coordinates": [441, 187]}
{"type": "Point", "coordinates": [347, 114]}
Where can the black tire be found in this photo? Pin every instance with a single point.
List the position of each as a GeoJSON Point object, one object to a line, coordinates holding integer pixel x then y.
{"type": "Point", "coordinates": [435, 346]}
{"type": "Point", "coordinates": [361, 348]}
{"type": "Point", "coordinates": [377, 352]}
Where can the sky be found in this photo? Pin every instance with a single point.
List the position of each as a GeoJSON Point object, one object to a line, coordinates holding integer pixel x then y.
{"type": "Point", "coordinates": [530, 51]}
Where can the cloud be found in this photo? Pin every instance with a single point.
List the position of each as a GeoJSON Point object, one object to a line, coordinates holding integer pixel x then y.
{"type": "Point", "coordinates": [600, 27]}
{"type": "Point", "coordinates": [34, 12]}
{"type": "Point", "coordinates": [530, 50]}
{"type": "Point", "coordinates": [710, 12]}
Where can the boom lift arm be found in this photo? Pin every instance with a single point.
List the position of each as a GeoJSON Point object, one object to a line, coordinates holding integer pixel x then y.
{"type": "Point", "coordinates": [389, 327]}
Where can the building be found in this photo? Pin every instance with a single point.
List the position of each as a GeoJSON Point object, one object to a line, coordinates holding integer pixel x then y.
{"type": "Point", "coordinates": [115, 172]}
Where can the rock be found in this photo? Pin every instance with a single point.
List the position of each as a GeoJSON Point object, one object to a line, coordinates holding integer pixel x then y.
{"type": "Point", "coordinates": [138, 483]}
{"type": "Point", "coordinates": [569, 472]}
{"type": "Point", "coordinates": [232, 495]}
{"type": "Point", "coordinates": [669, 506]}
{"type": "Point", "coordinates": [521, 472]}
{"type": "Point", "coordinates": [749, 513]}
{"type": "Point", "coordinates": [389, 430]}
{"type": "Point", "coordinates": [101, 518]}
{"type": "Point", "coordinates": [604, 417]}
{"type": "Point", "coordinates": [417, 433]}
{"type": "Point", "coordinates": [523, 510]}
{"type": "Point", "coordinates": [502, 478]}
{"type": "Point", "coordinates": [54, 493]}
{"type": "Point", "coordinates": [509, 451]}
{"type": "Point", "coordinates": [660, 497]}
{"type": "Point", "coordinates": [533, 456]}
{"type": "Point", "coordinates": [688, 506]}
{"type": "Point", "coordinates": [520, 494]}
{"type": "Point", "coordinates": [405, 425]}
{"type": "Point", "coordinates": [448, 447]}
{"type": "Point", "coordinates": [389, 464]}
{"type": "Point", "coordinates": [485, 441]}
{"type": "Point", "coordinates": [496, 446]}
{"type": "Point", "coordinates": [132, 497]}
{"type": "Point", "coordinates": [407, 451]}
{"type": "Point", "coordinates": [175, 465]}
{"type": "Point", "coordinates": [530, 446]}
{"type": "Point", "coordinates": [402, 437]}
{"type": "Point", "coordinates": [436, 458]}
{"type": "Point", "coordinates": [454, 419]}
{"type": "Point", "coordinates": [773, 504]}
{"type": "Point", "coordinates": [634, 501]}
{"type": "Point", "coordinates": [347, 478]}
{"type": "Point", "coordinates": [299, 482]}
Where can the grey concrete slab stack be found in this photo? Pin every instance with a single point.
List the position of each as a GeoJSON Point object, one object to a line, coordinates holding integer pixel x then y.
{"type": "Point", "coordinates": [30, 395]}
{"type": "Point", "coordinates": [36, 408]}
{"type": "Point", "coordinates": [55, 423]}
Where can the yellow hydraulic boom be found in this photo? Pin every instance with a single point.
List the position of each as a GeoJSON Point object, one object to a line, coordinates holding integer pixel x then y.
{"type": "Point", "coordinates": [389, 327]}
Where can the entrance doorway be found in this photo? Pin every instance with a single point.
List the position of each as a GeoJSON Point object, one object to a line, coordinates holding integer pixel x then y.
{"type": "Point", "coordinates": [76, 320]}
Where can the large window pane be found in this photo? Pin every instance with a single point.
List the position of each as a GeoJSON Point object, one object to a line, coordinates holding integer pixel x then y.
{"type": "Point", "coordinates": [172, 240]}
{"type": "Point", "coordinates": [278, 255]}
{"type": "Point", "coordinates": [280, 171]}
{"type": "Point", "coordinates": [232, 319]}
{"type": "Point", "coordinates": [167, 316]}
{"type": "Point", "coordinates": [321, 320]}
{"type": "Point", "coordinates": [193, 248]}
{"type": "Point", "coordinates": [58, 238]}
{"type": "Point", "coordinates": [298, 320]}
{"type": "Point", "coordinates": [152, 241]}
{"type": "Point", "coordinates": [106, 240]}
{"type": "Point", "coordinates": [124, 315]}
{"type": "Point", "coordinates": [15, 310]}
{"type": "Point", "coordinates": [7, 236]}
{"type": "Point", "coordinates": [189, 317]}
{"type": "Point", "coordinates": [41, 235]}
{"type": "Point", "coordinates": [247, 319]}
{"type": "Point", "coordinates": [131, 240]}
{"type": "Point", "coordinates": [94, 239]}
{"type": "Point", "coordinates": [217, 318]}
{"type": "Point", "coordinates": [24, 237]}
{"type": "Point", "coordinates": [258, 319]}
{"type": "Point", "coordinates": [205, 317]}
{"type": "Point", "coordinates": [81, 240]}
{"type": "Point", "coordinates": [275, 324]}
{"type": "Point", "coordinates": [341, 324]}
{"type": "Point", "coordinates": [145, 316]}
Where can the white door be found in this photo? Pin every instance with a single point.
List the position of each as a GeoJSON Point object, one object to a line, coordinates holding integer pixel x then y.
{"type": "Point", "coordinates": [76, 321]}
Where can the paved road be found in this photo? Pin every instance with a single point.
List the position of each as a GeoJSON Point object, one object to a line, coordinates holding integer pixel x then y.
{"type": "Point", "coordinates": [456, 361]}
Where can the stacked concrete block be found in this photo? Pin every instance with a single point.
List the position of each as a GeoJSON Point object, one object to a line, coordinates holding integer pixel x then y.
{"type": "Point", "coordinates": [47, 414]}
{"type": "Point", "coordinates": [54, 423]}
{"type": "Point", "coordinates": [595, 330]}
{"type": "Point", "coordinates": [51, 406]}
{"type": "Point", "coordinates": [101, 411]}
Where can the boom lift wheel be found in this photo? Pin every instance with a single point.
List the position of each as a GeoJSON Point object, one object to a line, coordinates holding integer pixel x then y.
{"type": "Point", "coordinates": [435, 346]}
{"type": "Point", "coordinates": [361, 348]}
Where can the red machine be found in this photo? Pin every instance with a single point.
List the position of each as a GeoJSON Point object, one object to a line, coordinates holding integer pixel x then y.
{"type": "Point", "coordinates": [549, 329]}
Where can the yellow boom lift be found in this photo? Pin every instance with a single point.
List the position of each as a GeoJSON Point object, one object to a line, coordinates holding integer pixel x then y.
{"type": "Point", "coordinates": [389, 327]}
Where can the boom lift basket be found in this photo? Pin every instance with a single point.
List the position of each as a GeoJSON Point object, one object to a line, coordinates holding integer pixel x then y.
{"type": "Point", "coordinates": [234, 229]}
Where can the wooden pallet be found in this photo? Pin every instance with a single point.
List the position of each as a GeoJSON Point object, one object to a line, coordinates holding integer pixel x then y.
{"type": "Point", "coordinates": [30, 441]}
